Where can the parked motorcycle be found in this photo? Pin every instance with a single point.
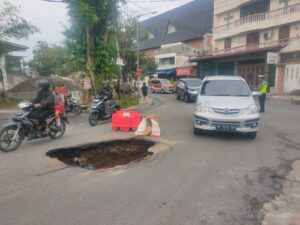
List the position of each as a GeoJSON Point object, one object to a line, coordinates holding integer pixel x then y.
{"type": "Point", "coordinates": [73, 106]}
{"type": "Point", "coordinates": [22, 126]}
{"type": "Point", "coordinates": [98, 110]}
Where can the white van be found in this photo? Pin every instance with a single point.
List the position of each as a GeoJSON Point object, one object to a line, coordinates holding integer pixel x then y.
{"type": "Point", "coordinates": [225, 103]}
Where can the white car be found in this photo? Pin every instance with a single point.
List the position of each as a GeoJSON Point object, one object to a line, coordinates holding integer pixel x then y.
{"type": "Point", "coordinates": [225, 103]}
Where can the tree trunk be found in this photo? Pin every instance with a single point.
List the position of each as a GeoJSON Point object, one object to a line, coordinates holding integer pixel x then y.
{"type": "Point", "coordinates": [90, 55]}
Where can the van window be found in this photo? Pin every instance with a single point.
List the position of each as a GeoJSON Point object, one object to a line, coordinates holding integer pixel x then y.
{"type": "Point", "coordinates": [235, 88]}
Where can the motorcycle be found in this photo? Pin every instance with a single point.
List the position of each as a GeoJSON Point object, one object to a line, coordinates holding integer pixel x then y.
{"type": "Point", "coordinates": [98, 110]}
{"type": "Point", "coordinates": [22, 126]}
{"type": "Point", "coordinates": [73, 106]}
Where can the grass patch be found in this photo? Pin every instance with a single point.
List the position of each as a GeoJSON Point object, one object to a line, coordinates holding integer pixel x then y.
{"type": "Point", "coordinates": [128, 101]}
{"type": "Point", "coordinates": [6, 102]}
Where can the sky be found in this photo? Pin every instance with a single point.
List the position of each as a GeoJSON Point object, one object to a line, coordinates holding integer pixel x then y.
{"type": "Point", "coordinates": [52, 18]}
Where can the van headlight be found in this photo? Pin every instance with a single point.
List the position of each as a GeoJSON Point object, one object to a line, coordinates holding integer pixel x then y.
{"type": "Point", "coordinates": [201, 108]}
{"type": "Point", "coordinates": [252, 109]}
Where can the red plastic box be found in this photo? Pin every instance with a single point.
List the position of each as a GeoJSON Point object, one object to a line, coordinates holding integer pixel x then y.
{"type": "Point", "coordinates": [126, 120]}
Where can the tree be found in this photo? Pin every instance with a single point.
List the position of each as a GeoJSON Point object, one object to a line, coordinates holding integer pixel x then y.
{"type": "Point", "coordinates": [127, 40]}
{"type": "Point", "coordinates": [12, 25]}
{"type": "Point", "coordinates": [91, 23]}
{"type": "Point", "coordinates": [51, 59]}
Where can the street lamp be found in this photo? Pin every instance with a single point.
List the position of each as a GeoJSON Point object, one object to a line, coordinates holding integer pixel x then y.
{"type": "Point", "coordinates": [137, 37]}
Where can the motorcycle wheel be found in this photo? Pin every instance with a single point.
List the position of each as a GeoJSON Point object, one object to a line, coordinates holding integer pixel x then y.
{"type": "Point", "coordinates": [77, 110]}
{"type": "Point", "coordinates": [5, 139]}
{"type": "Point", "coordinates": [54, 133]}
{"type": "Point", "coordinates": [93, 119]}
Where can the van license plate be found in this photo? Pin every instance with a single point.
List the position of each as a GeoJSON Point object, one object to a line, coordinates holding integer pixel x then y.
{"type": "Point", "coordinates": [225, 128]}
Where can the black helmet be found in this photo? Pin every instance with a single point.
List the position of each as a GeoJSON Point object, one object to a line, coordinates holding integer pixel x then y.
{"type": "Point", "coordinates": [45, 84]}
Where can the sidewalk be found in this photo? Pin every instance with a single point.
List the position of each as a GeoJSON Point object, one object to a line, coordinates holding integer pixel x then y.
{"type": "Point", "coordinates": [285, 98]}
{"type": "Point", "coordinates": [285, 209]}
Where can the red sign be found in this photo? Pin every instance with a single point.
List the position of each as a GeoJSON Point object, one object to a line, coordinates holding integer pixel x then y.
{"type": "Point", "coordinates": [187, 71]}
{"type": "Point", "coordinates": [138, 73]}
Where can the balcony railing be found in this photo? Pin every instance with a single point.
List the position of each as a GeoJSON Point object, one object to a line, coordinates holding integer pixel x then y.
{"type": "Point", "coordinates": [256, 46]}
{"type": "Point", "coordinates": [260, 17]}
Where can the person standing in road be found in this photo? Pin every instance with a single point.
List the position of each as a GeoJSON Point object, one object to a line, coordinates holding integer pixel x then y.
{"type": "Point", "coordinates": [263, 89]}
{"type": "Point", "coordinates": [145, 90]}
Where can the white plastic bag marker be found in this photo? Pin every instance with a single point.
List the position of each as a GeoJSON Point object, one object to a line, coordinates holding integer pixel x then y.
{"type": "Point", "coordinates": [142, 127]}
{"type": "Point", "coordinates": [155, 128]}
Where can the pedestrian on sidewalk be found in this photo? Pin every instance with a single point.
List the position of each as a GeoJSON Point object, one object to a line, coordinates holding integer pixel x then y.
{"type": "Point", "coordinates": [145, 90]}
{"type": "Point", "coordinates": [263, 89]}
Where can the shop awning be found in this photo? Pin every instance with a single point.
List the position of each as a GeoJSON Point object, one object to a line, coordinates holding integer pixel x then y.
{"type": "Point", "coordinates": [166, 72]}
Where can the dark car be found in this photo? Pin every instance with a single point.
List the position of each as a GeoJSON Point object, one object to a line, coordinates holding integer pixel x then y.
{"type": "Point", "coordinates": [188, 89]}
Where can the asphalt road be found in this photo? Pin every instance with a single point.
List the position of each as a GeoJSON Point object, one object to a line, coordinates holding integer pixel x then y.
{"type": "Point", "coordinates": [214, 179]}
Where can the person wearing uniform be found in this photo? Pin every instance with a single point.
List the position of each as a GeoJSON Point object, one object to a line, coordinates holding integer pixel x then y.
{"type": "Point", "coordinates": [107, 93]}
{"type": "Point", "coordinates": [263, 89]}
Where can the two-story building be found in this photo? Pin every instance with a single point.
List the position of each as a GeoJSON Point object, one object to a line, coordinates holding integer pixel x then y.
{"type": "Point", "coordinates": [173, 36]}
{"type": "Point", "coordinates": [245, 31]}
{"type": "Point", "coordinates": [12, 66]}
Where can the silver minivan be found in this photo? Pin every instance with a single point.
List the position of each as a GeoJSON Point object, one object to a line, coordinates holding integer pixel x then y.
{"type": "Point", "coordinates": [225, 103]}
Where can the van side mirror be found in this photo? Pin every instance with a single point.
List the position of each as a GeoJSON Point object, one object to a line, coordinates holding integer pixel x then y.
{"type": "Point", "coordinates": [255, 93]}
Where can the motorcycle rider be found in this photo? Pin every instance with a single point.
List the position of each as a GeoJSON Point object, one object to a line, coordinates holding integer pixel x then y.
{"type": "Point", "coordinates": [43, 103]}
{"type": "Point", "coordinates": [107, 93]}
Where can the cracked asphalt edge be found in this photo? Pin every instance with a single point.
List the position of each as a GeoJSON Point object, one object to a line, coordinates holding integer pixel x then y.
{"type": "Point", "coordinates": [285, 208]}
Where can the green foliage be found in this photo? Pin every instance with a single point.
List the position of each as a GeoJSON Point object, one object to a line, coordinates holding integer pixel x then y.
{"type": "Point", "coordinates": [89, 36]}
{"type": "Point", "coordinates": [12, 25]}
{"type": "Point", "coordinates": [147, 63]}
{"type": "Point", "coordinates": [127, 101]}
{"type": "Point", "coordinates": [51, 59]}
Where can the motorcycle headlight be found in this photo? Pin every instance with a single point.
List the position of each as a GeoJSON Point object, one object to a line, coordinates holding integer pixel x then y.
{"type": "Point", "coordinates": [201, 108]}
{"type": "Point", "coordinates": [252, 109]}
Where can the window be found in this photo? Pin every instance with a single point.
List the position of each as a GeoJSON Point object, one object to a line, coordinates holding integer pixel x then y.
{"type": "Point", "coordinates": [150, 35]}
{"type": "Point", "coordinates": [227, 43]}
{"type": "Point", "coordinates": [171, 29]}
{"type": "Point", "coordinates": [167, 61]}
{"type": "Point", "coordinates": [255, 8]}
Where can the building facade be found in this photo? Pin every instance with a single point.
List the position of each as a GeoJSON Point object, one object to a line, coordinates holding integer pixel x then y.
{"type": "Point", "coordinates": [12, 66]}
{"type": "Point", "coordinates": [172, 37]}
{"type": "Point", "coordinates": [246, 32]}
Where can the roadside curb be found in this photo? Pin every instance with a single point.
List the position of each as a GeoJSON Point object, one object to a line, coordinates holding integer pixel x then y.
{"type": "Point", "coordinates": [291, 99]}
{"type": "Point", "coordinates": [141, 103]}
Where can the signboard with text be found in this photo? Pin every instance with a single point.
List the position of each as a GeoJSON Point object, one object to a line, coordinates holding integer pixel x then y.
{"type": "Point", "coordinates": [272, 58]}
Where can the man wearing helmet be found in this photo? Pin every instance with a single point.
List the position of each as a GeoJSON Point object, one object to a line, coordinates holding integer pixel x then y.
{"type": "Point", "coordinates": [43, 102]}
{"type": "Point", "coordinates": [107, 93]}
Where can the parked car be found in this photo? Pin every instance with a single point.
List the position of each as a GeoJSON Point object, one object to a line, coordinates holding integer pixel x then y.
{"type": "Point", "coordinates": [161, 85]}
{"type": "Point", "coordinates": [188, 89]}
{"type": "Point", "coordinates": [225, 103]}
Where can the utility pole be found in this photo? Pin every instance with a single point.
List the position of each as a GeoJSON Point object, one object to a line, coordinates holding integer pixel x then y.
{"type": "Point", "coordinates": [138, 38]}
{"type": "Point", "coordinates": [138, 49]}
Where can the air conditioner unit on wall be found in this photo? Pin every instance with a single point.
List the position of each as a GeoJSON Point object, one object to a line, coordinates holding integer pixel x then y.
{"type": "Point", "coordinates": [268, 35]}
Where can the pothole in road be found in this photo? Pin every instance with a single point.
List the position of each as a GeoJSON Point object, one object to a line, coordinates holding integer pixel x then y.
{"type": "Point", "coordinates": [104, 155]}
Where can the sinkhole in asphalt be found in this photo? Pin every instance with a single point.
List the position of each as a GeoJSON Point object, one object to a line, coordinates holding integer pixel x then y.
{"type": "Point", "coordinates": [104, 155]}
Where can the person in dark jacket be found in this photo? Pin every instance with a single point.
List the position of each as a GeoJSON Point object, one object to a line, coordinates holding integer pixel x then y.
{"type": "Point", "coordinates": [145, 90]}
{"type": "Point", "coordinates": [107, 93]}
{"type": "Point", "coordinates": [44, 101]}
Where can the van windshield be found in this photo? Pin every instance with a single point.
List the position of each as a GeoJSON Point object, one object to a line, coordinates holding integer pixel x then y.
{"type": "Point", "coordinates": [165, 82]}
{"type": "Point", "coordinates": [235, 88]}
{"type": "Point", "coordinates": [193, 82]}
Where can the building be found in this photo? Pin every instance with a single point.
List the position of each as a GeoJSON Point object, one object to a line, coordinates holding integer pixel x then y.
{"type": "Point", "coordinates": [173, 36]}
{"type": "Point", "coordinates": [247, 31]}
{"type": "Point", "coordinates": [12, 66]}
